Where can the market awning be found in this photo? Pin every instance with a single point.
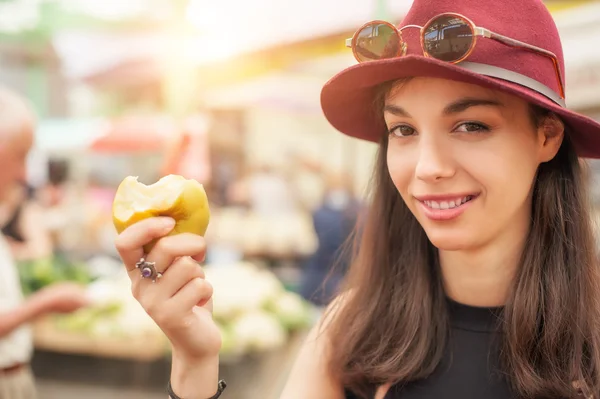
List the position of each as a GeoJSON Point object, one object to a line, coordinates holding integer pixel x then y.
{"type": "Point", "coordinates": [60, 135]}
{"type": "Point", "coordinates": [221, 33]}
{"type": "Point", "coordinates": [134, 135]}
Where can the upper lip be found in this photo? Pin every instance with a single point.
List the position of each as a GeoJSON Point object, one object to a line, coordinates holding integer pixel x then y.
{"type": "Point", "coordinates": [443, 197]}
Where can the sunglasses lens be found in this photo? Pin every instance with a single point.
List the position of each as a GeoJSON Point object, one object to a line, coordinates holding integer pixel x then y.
{"type": "Point", "coordinates": [376, 41]}
{"type": "Point", "coordinates": [448, 38]}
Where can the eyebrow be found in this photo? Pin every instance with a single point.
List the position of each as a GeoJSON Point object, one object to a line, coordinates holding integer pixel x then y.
{"type": "Point", "coordinates": [465, 103]}
{"type": "Point", "coordinates": [456, 107]}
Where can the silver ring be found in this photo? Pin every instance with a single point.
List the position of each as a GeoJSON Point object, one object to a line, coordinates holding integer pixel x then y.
{"type": "Point", "coordinates": [148, 270]}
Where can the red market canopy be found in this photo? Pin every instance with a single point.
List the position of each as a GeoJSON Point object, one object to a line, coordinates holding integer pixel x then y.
{"type": "Point", "coordinates": [135, 135]}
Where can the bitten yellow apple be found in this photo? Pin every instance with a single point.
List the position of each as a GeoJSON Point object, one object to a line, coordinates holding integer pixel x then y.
{"type": "Point", "coordinates": [174, 196]}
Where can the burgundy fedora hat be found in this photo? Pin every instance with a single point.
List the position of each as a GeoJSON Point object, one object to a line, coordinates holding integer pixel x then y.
{"type": "Point", "coordinates": [347, 99]}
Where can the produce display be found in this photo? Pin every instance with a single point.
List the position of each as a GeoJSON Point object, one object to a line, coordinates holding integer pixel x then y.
{"type": "Point", "coordinates": [174, 196]}
{"type": "Point", "coordinates": [114, 326]}
{"type": "Point", "coordinates": [39, 273]}
{"type": "Point", "coordinates": [287, 236]}
{"type": "Point", "coordinates": [114, 312]}
{"type": "Point", "coordinates": [251, 306]}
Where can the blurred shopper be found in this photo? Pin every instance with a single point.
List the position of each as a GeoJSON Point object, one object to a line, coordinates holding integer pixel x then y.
{"type": "Point", "coordinates": [269, 193]}
{"type": "Point", "coordinates": [98, 229]}
{"type": "Point", "coordinates": [17, 125]}
{"type": "Point", "coordinates": [334, 222]}
{"type": "Point", "coordinates": [54, 191]}
{"type": "Point", "coordinates": [64, 211]}
{"type": "Point", "coordinates": [27, 237]}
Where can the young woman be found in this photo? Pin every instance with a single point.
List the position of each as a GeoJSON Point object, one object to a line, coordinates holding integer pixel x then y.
{"type": "Point", "coordinates": [475, 275]}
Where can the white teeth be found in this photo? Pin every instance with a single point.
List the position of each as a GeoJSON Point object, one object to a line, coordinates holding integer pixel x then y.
{"type": "Point", "coordinates": [448, 204]}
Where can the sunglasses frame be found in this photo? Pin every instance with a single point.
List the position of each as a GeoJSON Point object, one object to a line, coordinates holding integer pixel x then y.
{"type": "Point", "coordinates": [475, 30]}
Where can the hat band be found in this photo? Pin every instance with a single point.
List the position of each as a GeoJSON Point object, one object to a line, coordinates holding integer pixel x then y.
{"type": "Point", "coordinates": [514, 77]}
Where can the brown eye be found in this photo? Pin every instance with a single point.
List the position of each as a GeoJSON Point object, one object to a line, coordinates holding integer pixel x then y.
{"type": "Point", "coordinates": [402, 131]}
{"type": "Point", "coordinates": [472, 127]}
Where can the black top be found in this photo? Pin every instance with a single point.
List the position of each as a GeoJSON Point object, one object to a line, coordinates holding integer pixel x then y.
{"type": "Point", "coordinates": [469, 368]}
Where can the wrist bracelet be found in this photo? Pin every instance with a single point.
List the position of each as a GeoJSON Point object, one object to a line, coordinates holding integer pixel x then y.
{"type": "Point", "coordinates": [221, 387]}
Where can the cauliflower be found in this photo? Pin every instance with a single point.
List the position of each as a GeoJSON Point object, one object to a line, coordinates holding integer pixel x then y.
{"type": "Point", "coordinates": [258, 331]}
{"type": "Point", "coordinates": [241, 288]}
{"type": "Point", "coordinates": [291, 310]}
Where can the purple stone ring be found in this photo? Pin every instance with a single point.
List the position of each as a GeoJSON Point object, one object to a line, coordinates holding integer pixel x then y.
{"type": "Point", "coordinates": [148, 270]}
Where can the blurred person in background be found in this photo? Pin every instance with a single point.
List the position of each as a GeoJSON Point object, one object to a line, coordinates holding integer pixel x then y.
{"type": "Point", "coordinates": [64, 213]}
{"type": "Point", "coordinates": [333, 222]}
{"type": "Point", "coordinates": [27, 237]}
{"type": "Point", "coordinates": [17, 125]}
{"type": "Point", "coordinates": [476, 275]}
{"type": "Point", "coordinates": [269, 194]}
{"type": "Point", "coordinates": [98, 229]}
{"type": "Point", "coordinates": [54, 191]}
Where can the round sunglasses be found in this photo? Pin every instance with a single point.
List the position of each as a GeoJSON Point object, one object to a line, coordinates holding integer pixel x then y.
{"type": "Point", "coordinates": [447, 37]}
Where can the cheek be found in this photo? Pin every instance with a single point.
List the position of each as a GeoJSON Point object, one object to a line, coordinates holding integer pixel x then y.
{"type": "Point", "coordinates": [401, 170]}
{"type": "Point", "coordinates": [506, 175]}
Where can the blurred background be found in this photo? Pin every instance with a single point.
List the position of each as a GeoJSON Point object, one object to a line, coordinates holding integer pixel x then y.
{"type": "Point", "coordinates": [226, 92]}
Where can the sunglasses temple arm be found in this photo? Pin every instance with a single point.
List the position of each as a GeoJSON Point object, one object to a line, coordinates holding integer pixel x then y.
{"type": "Point", "coordinates": [559, 77]}
{"type": "Point", "coordinates": [518, 44]}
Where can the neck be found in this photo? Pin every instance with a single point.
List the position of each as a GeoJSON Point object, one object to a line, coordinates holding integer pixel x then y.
{"type": "Point", "coordinates": [483, 276]}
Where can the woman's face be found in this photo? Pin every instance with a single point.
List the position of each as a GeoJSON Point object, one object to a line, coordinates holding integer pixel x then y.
{"type": "Point", "coordinates": [464, 159]}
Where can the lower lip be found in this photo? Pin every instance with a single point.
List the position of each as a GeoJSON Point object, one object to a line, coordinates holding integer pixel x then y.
{"type": "Point", "coordinates": [445, 214]}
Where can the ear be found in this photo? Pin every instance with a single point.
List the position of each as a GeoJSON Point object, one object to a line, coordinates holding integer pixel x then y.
{"type": "Point", "coordinates": [551, 133]}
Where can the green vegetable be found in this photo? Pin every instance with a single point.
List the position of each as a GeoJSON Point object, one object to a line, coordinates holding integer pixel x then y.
{"type": "Point", "coordinates": [85, 320]}
{"type": "Point", "coordinates": [39, 273]}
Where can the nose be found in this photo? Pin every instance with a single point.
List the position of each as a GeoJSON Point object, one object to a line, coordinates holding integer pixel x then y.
{"type": "Point", "coordinates": [434, 160]}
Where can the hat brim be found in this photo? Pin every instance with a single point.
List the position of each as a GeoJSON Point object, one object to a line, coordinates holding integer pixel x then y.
{"type": "Point", "coordinates": [347, 99]}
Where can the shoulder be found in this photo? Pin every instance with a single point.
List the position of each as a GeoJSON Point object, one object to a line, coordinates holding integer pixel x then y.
{"type": "Point", "coordinates": [310, 376]}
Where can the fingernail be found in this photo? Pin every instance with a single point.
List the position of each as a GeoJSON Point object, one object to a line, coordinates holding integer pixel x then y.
{"type": "Point", "coordinates": [168, 223]}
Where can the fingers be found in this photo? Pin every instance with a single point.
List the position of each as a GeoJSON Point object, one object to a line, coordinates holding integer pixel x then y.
{"type": "Point", "coordinates": [178, 275]}
{"type": "Point", "coordinates": [168, 249]}
{"type": "Point", "coordinates": [130, 242]}
{"type": "Point", "coordinates": [182, 285]}
{"type": "Point", "coordinates": [176, 294]}
{"type": "Point", "coordinates": [196, 292]}
{"type": "Point", "coordinates": [172, 314]}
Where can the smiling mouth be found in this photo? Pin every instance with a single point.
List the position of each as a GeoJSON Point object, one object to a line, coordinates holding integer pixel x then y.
{"type": "Point", "coordinates": [451, 204]}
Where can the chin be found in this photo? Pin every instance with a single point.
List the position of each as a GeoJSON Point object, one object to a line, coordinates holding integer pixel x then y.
{"type": "Point", "coordinates": [450, 241]}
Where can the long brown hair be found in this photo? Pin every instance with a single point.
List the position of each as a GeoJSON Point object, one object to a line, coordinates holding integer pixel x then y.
{"type": "Point", "coordinates": [393, 327]}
